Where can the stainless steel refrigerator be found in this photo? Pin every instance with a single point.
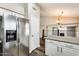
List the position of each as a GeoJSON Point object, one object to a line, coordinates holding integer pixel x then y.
{"type": "Point", "coordinates": [16, 36]}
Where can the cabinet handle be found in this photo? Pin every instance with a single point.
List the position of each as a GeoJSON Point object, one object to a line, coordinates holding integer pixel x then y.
{"type": "Point", "coordinates": [61, 50]}
{"type": "Point", "coordinates": [57, 49]}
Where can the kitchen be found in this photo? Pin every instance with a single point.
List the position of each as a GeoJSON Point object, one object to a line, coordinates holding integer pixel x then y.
{"type": "Point", "coordinates": [61, 24]}
{"type": "Point", "coordinates": [39, 29]}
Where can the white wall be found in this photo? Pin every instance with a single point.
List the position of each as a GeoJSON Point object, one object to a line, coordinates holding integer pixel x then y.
{"type": "Point", "coordinates": [49, 20]}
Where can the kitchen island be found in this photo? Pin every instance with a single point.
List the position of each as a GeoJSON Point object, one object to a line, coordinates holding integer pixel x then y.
{"type": "Point", "coordinates": [61, 46]}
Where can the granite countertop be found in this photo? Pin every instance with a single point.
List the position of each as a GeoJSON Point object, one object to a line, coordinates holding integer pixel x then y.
{"type": "Point", "coordinates": [72, 40]}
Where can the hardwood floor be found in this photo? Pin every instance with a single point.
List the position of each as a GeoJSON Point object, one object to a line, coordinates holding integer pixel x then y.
{"type": "Point", "coordinates": [40, 51]}
{"type": "Point", "coordinates": [23, 51]}
{"type": "Point", "coordinates": [14, 51]}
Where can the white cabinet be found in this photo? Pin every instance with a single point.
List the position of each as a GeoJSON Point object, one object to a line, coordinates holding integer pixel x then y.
{"type": "Point", "coordinates": [55, 48]}
{"type": "Point", "coordinates": [69, 52]}
{"type": "Point", "coordinates": [51, 49]}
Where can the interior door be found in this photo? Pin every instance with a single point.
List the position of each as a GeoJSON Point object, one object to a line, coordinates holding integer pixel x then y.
{"type": "Point", "coordinates": [34, 25]}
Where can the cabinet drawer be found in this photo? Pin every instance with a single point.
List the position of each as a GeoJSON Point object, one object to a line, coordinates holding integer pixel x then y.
{"type": "Point", "coordinates": [63, 44]}
{"type": "Point", "coordinates": [69, 45]}
{"type": "Point", "coordinates": [69, 52]}
{"type": "Point", "coordinates": [51, 49]}
{"type": "Point", "coordinates": [52, 41]}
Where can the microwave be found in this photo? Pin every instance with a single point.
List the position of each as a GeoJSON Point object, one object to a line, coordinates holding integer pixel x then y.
{"type": "Point", "coordinates": [58, 32]}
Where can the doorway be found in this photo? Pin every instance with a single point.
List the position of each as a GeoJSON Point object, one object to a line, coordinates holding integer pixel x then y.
{"type": "Point", "coordinates": [42, 41]}
{"type": "Point", "coordinates": [40, 51]}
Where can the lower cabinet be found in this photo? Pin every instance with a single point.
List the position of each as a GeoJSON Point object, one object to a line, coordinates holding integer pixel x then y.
{"type": "Point", "coordinates": [54, 48]}
{"type": "Point", "coordinates": [51, 49]}
{"type": "Point", "coordinates": [69, 52]}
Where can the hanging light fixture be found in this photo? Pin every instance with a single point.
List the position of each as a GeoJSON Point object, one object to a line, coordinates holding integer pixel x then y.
{"type": "Point", "coordinates": [59, 20]}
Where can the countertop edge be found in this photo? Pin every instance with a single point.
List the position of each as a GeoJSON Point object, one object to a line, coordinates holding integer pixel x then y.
{"type": "Point", "coordinates": [62, 41]}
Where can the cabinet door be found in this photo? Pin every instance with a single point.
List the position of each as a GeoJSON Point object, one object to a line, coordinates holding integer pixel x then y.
{"type": "Point", "coordinates": [51, 49]}
{"type": "Point", "coordinates": [69, 52]}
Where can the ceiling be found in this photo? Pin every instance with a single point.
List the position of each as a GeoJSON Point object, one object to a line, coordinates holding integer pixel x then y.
{"type": "Point", "coordinates": [53, 9]}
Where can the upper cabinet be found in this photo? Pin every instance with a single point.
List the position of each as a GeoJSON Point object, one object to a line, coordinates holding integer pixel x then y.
{"type": "Point", "coordinates": [16, 7]}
